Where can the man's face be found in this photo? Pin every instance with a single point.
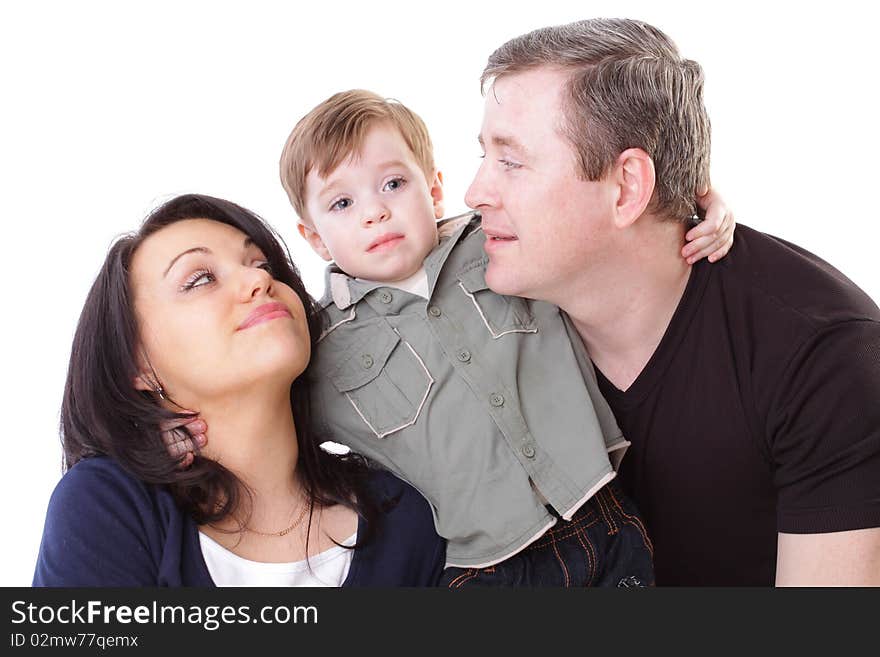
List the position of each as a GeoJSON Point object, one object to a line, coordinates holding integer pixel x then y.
{"type": "Point", "coordinates": [376, 213]}
{"type": "Point", "coordinates": [543, 224]}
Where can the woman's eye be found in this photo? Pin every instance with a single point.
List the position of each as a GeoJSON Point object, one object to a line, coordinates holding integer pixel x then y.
{"type": "Point", "coordinates": [266, 266]}
{"type": "Point", "coordinates": [198, 279]}
{"type": "Point", "coordinates": [507, 164]}
{"type": "Point", "coordinates": [341, 204]}
{"type": "Point", "coordinates": [393, 184]}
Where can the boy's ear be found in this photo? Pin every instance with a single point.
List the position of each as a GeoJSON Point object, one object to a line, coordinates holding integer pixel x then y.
{"type": "Point", "coordinates": [311, 236]}
{"type": "Point", "coordinates": [437, 194]}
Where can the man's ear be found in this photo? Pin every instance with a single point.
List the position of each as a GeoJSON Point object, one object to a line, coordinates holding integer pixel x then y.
{"type": "Point", "coordinates": [437, 194]}
{"type": "Point", "coordinates": [311, 236]}
{"type": "Point", "coordinates": [635, 179]}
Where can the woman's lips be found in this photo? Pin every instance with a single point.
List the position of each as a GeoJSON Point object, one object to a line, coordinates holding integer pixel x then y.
{"type": "Point", "coordinates": [264, 313]}
{"type": "Point", "coordinates": [385, 242]}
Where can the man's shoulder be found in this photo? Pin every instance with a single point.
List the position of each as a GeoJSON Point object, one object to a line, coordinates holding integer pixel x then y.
{"type": "Point", "coordinates": [774, 272]}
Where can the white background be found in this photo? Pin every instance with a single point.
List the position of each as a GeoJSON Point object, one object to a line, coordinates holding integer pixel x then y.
{"type": "Point", "coordinates": [107, 109]}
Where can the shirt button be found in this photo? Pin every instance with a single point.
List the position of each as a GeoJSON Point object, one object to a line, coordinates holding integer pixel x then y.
{"type": "Point", "coordinates": [528, 450]}
{"type": "Point", "coordinates": [367, 361]}
{"type": "Point", "coordinates": [464, 356]}
{"type": "Point", "coordinates": [385, 296]}
{"type": "Point", "coordinates": [496, 400]}
{"type": "Point", "coordinates": [434, 311]}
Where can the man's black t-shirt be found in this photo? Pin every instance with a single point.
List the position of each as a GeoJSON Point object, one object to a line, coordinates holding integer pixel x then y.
{"type": "Point", "coordinates": [758, 413]}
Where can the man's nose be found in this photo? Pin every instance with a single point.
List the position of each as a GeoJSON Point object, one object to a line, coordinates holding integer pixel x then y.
{"type": "Point", "coordinates": [480, 194]}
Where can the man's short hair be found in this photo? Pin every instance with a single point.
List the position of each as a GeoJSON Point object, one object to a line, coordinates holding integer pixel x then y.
{"type": "Point", "coordinates": [629, 88]}
{"type": "Point", "coordinates": [336, 129]}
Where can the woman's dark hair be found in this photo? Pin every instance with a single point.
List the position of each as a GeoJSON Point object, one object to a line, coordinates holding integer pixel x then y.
{"type": "Point", "coordinates": [103, 413]}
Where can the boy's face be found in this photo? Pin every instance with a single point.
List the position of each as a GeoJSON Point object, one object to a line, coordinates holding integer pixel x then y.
{"type": "Point", "coordinates": [376, 213]}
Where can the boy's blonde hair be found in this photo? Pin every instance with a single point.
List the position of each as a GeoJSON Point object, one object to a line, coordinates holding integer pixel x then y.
{"type": "Point", "coordinates": [336, 128]}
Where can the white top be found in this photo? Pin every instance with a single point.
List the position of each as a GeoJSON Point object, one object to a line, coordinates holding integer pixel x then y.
{"type": "Point", "coordinates": [329, 568]}
{"type": "Point", "coordinates": [416, 284]}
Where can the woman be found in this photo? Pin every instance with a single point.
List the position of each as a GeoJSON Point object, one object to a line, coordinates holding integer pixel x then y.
{"type": "Point", "coordinates": [202, 309]}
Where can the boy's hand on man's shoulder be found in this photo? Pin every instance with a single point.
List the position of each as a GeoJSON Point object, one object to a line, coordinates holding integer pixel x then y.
{"type": "Point", "coordinates": [712, 237]}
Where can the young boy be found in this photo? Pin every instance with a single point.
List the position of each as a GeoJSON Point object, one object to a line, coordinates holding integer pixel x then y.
{"type": "Point", "coordinates": [487, 404]}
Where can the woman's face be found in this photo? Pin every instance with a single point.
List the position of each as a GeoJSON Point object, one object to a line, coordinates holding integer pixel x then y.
{"type": "Point", "coordinates": [213, 322]}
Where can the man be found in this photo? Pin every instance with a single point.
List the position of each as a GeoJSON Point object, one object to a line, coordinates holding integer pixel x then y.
{"type": "Point", "coordinates": [595, 140]}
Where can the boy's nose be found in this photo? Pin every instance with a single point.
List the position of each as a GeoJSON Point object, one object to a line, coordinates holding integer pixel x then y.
{"type": "Point", "coordinates": [376, 215]}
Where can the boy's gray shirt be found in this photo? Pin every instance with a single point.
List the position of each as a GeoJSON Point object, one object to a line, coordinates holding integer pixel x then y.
{"type": "Point", "coordinates": [470, 396]}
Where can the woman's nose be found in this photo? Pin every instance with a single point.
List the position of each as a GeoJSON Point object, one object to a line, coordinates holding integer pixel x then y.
{"type": "Point", "coordinates": [255, 281]}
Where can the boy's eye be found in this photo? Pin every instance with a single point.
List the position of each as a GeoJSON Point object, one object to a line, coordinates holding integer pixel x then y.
{"type": "Point", "coordinates": [198, 279]}
{"type": "Point", "coordinates": [393, 184]}
{"type": "Point", "coordinates": [341, 204]}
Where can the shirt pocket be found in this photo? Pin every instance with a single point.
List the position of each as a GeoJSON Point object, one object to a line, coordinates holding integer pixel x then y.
{"type": "Point", "coordinates": [385, 380]}
{"type": "Point", "coordinates": [498, 313]}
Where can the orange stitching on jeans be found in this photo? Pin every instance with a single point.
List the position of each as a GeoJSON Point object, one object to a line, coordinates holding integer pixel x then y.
{"type": "Point", "coordinates": [591, 555]}
{"type": "Point", "coordinates": [472, 574]}
{"type": "Point", "coordinates": [545, 542]}
{"type": "Point", "coordinates": [597, 500]}
{"type": "Point", "coordinates": [553, 540]}
{"type": "Point", "coordinates": [562, 563]}
{"type": "Point", "coordinates": [602, 499]}
{"type": "Point", "coordinates": [636, 522]}
{"type": "Point", "coordinates": [465, 574]}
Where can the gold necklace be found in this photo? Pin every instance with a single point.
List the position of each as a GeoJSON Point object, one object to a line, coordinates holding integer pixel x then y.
{"type": "Point", "coordinates": [286, 530]}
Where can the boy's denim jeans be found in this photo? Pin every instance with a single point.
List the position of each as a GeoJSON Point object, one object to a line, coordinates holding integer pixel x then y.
{"type": "Point", "coordinates": [604, 544]}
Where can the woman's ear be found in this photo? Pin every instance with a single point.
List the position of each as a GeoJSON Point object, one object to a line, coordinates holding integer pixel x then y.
{"type": "Point", "coordinates": [437, 194]}
{"type": "Point", "coordinates": [311, 236]}
{"type": "Point", "coordinates": [141, 382]}
{"type": "Point", "coordinates": [146, 378]}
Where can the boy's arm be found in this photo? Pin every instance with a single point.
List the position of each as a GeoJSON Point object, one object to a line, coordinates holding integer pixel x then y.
{"type": "Point", "coordinates": [713, 236]}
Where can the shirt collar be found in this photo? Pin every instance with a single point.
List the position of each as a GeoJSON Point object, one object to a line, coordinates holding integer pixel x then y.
{"type": "Point", "coordinates": [343, 291]}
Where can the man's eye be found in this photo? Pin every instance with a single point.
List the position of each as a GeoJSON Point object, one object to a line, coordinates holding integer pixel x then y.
{"type": "Point", "coordinates": [341, 204]}
{"type": "Point", "coordinates": [198, 279]}
{"type": "Point", "coordinates": [393, 184]}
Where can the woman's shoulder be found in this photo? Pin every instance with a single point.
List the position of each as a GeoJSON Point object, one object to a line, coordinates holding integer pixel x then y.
{"type": "Point", "coordinates": [397, 497]}
{"type": "Point", "coordinates": [406, 550]}
{"type": "Point", "coordinates": [103, 527]}
{"type": "Point", "coordinates": [98, 479]}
